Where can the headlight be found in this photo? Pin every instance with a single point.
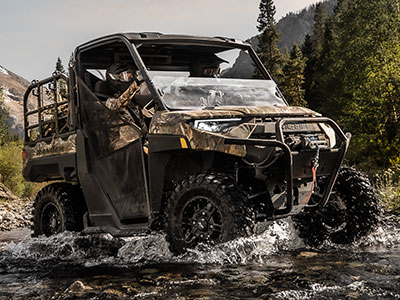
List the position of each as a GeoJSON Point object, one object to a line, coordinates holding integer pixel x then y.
{"type": "Point", "coordinates": [215, 125]}
{"type": "Point", "coordinates": [330, 133]}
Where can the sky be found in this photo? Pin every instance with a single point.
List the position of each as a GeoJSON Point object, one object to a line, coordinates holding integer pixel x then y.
{"type": "Point", "coordinates": [33, 33]}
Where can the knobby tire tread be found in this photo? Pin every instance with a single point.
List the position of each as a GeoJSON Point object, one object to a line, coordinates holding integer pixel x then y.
{"type": "Point", "coordinates": [229, 196]}
{"type": "Point", "coordinates": [68, 198]}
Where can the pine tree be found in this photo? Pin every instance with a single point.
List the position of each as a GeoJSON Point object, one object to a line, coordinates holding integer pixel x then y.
{"type": "Point", "coordinates": [268, 50]}
{"type": "Point", "coordinates": [71, 62]}
{"type": "Point", "coordinates": [319, 28]}
{"type": "Point", "coordinates": [59, 66]}
{"type": "Point", "coordinates": [307, 51]}
{"type": "Point", "coordinates": [293, 80]}
{"type": "Point", "coordinates": [313, 51]}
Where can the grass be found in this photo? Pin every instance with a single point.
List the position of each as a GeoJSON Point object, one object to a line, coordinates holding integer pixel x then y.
{"type": "Point", "coordinates": [388, 187]}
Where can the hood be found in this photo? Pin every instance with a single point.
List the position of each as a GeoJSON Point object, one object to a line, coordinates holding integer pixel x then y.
{"type": "Point", "coordinates": [236, 112]}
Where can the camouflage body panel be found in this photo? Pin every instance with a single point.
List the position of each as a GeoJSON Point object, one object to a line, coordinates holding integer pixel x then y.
{"type": "Point", "coordinates": [56, 146]}
{"type": "Point", "coordinates": [173, 123]}
{"type": "Point", "coordinates": [168, 118]}
{"type": "Point", "coordinates": [200, 140]}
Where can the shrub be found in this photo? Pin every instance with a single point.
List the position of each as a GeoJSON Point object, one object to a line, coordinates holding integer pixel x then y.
{"type": "Point", "coordinates": [11, 170]}
{"type": "Point", "coordinates": [388, 186]}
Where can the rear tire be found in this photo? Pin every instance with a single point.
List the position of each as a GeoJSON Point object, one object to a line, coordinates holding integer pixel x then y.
{"type": "Point", "coordinates": [351, 212]}
{"type": "Point", "coordinates": [207, 208]}
{"type": "Point", "coordinates": [58, 207]}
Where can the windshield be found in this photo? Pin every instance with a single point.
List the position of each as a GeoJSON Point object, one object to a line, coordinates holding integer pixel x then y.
{"type": "Point", "coordinates": [197, 76]}
{"type": "Point", "coordinates": [183, 93]}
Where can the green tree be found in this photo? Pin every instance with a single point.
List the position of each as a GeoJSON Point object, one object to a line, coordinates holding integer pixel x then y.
{"type": "Point", "coordinates": [268, 50]}
{"type": "Point", "coordinates": [307, 50]}
{"type": "Point", "coordinates": [320, 21]}
{"type": "Point", "coordinates": [59, 66]}
{"type": "Point", "coordinates": [364, 77]}
{"type": "Point", "coordinates": [314, 50]}
{"type": "Point", "coordinates": [11, 169]}
{"type": "Point", "coordinates": [293, 81]}
{"type": "Point", "coordinates": [71, 61]}
{"type": "Point", "coordinates": [10, 156]}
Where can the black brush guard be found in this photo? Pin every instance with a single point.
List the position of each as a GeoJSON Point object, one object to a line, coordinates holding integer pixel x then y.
{"type": "Point", "coordinates": [344, 140]}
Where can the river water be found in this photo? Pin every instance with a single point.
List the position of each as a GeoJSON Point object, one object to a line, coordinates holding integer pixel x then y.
{"type": "Point", "coordinates": [272, 265]}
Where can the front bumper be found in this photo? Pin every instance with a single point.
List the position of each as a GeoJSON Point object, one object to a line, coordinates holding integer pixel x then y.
{"type": "Point", "coordinates": [294, 167]}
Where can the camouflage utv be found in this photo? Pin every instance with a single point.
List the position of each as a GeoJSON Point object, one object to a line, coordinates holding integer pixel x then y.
{"type": "Point", "coordinates": [200, 148]}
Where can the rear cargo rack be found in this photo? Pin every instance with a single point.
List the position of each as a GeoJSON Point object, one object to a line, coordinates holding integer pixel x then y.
{"type": "Point", "coordinates": [52, 102]}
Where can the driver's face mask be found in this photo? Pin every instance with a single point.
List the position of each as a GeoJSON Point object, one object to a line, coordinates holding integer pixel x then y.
{"type": "Point", "coordinates": [126, 76]}
{"type": "Point", "coordinates": [211, 71]}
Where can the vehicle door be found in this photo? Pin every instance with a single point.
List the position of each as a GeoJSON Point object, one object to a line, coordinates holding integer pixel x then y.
{"type": "Point", "coordinates": [115, 153]}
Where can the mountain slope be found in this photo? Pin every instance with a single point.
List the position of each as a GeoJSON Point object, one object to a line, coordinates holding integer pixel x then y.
{"type": "Point", "coordinates": [295, 26]}
{"type": "Point", "coordinates": [13, 88]}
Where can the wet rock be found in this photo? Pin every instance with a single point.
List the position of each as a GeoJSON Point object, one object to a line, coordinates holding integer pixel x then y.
{"type": "Point", "coordinates": [148, 282]}
{"type": "Point", "coordinates": [77, 287]}
{"type": "Point", "coordinates": [318, 268]}
{"type": "Point", "coordinates": [78, 290]}
{"type": "Point", "coordinates": [112, 292]}
{"type": "Point", "coordinates": [353, 295]}
{"type": "Point", "coordinates": [162, 278]}
{"type": "Point", "coordinates": [202, 294]}
{"type": "Point", "coordinates": [149, 271]}
{"type": "Point", "coordinates": [306, 254]}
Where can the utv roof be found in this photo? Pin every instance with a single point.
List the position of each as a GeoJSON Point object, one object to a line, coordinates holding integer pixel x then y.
{"type": "Point", "coordinates": [162, 38]}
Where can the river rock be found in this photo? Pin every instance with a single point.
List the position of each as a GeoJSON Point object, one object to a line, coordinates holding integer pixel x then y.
{"type": "Point", "coordinates": [78, 286]}
{"type": "Point", "coordinates": [113, 292]}
{"type": "Point", "coordinates": [306, 254]}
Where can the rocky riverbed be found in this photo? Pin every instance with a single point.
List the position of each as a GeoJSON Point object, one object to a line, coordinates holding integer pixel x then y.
{"type": "Point", "coordinates": [14, 212]}
{"type": "Point", "coordinates": [273, 265]}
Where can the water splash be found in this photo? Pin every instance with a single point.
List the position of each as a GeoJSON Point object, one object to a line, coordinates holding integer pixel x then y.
{"type": "Point", "coordinates": [385, 235]}
{"type": "Point", "coordinates": [90, 250]}
{"type": "Point", "coordinates": [356, 290]}
{"type": "Point", "coordinates": [277, 236]}
{"type": "Point", "coordinates": [146, 248]}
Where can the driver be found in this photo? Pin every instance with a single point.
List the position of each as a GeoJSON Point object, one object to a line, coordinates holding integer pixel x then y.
{"type": "Point", "coordinates": [125, 80]}
{"type": "Point", "coordinates": [206, 66]}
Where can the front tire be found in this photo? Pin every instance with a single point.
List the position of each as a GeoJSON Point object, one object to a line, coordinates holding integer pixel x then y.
{"type": "Point", "coordinates": [207, 208]}
{"type": "Point", "coordinates": [58, 207]}
{"type": "Point", "coordinates": [351, 212]}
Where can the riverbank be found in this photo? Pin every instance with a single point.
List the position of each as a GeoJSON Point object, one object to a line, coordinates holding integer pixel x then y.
{"type": "Point", "coordinates": [14, 212]}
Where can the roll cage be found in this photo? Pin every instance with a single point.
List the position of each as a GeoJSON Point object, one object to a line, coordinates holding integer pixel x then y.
{"type": "Point", "coordinates": [130, 40]}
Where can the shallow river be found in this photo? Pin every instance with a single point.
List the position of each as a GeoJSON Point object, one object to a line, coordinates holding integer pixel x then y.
{"type": "Point", "coordinates": [273, 265]}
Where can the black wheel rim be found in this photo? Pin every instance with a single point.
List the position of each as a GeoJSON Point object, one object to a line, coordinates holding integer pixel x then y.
{"type": "Point", "coordinates": [201, 221]}
{"type": "Point", "coordinates": [51, 220]}
{"type": "Point", "coordinates": [335, 214]}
